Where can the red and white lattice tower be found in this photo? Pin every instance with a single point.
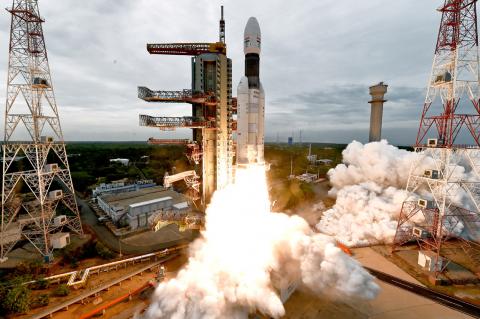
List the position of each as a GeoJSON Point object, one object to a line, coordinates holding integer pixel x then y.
{"type": "Point", "coordinates": [37, 191]}
{"type": "Point", "coordinates": [446, 176]}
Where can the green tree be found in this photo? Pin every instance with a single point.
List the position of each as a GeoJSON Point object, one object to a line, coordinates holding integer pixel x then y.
{"type": "Point", "coordinates": [41, 284]}
{"type": "Point", "coordinates": [17, 299]}
{"type": "Point", "coordinates": [42, 300]}
{"type": "Point", "coordinates": [61, 291]}
{"type": "Point", "coordinates": [103, 251]}
{"type": "Point", "coordinates": [81, 180]}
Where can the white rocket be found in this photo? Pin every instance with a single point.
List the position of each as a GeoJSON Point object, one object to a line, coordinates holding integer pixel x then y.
{"type": "Point", "coordinates": [251, 101]}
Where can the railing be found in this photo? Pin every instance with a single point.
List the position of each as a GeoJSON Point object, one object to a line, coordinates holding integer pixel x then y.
{"type": "Point", "coordinates": [173, 122]}
{"type": "Point", "coordinates": [186, 48]}
{"type": "Point", "coordinates": [84, 274]}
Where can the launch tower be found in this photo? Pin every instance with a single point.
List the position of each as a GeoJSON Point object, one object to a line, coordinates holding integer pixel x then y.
{"type": "Point", "coordinates": [37, 191]}
{"type": "Point", "coordinates": [213, 107]}
{"type": "Point", "coordinates": [446, 212]}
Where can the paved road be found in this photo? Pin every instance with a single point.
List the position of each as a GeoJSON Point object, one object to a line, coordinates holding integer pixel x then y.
{"type": "Point", "coordinates": [63, 305]}
{"type": "Point", "coordinates": [111, 241]}
{"type": "Point", "coordinates": [448, 301]}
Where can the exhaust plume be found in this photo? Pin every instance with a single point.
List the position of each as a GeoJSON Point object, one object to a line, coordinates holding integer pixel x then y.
{"type": "Point", "coordinates": [247, 254]}
{"type": "Point", "coordinates": [370, 188]}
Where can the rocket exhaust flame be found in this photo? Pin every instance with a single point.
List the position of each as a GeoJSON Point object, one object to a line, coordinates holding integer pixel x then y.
{"type": "Point", "coordinates": [247, 254]}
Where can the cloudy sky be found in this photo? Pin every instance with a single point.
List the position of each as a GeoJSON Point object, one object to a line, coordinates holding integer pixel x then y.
{"type": "Point", "coordinates": [318, 59]}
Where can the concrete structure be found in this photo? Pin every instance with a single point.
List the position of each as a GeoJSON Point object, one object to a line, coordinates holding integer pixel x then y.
{"type": "Point", "coordinates": [123, 161]}
{"type": "Point", "coordinates": [121, 187]}
{"type": "Point", "coordinates": [135, 208]}
{"type": "Point", "coordinates": [213, 72]}
{"type": "Point", "coordinates": [324, 161]}
{"type": "Point", "coordinates": [212, 109]}
{"type": "Point", "coordinates": [307, 177]}
{"type": "Point", "coordinates": [59, 240]}
{"type": "Point", "coordinates": [251, 101]}
{"type": "Point", "coordinates": [377, 92]}
{"type": "Point", "coordinates": [429, 261]}
{"type": "Point", "coordinates": [312, 159]}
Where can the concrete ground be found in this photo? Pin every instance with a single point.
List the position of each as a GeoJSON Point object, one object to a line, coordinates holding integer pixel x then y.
{"type": "Point", "coordinates": [17, 256]}
{"type": "Point", "coordinates": [454, 273]}
{"type": "Point", "coordinates": [391, 303]}
{"type": "Point", "coordinates": [167, 234]}
{"type": "Point", "coordinates": [28, 253]}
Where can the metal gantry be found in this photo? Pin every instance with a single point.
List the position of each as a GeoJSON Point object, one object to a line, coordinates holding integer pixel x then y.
{"type": "Point", "coordinates": [213, 107]}
{"type": "Point", "coordinates": [449, 190]}
{"type": "Point", "coordinates": [172, 122]}
{"type": "Point", "coordinates": [192, 49]}
{"type": "Point", "coordinates": [184, 96]}
{"type": "Point", "coordinates": [36, 179]}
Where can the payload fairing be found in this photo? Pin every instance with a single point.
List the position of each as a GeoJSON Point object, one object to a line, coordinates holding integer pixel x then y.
{"type": "Point", "coordinates": [251, 101]}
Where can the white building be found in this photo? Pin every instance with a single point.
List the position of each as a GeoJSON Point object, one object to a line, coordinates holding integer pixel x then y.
{"type": "Point", "coordinates": [59, 240]}
{"type": "Point", "coordinates": [121, 187]}
{"type": "Point", "coordinates": [123, 161]}
{"type": "Point", "coordinates": [135, 208]}
{"type": "Point", "coordinates": [429, 261]}
{"type": "Point", "coordinates": [307, 177]}
{"type": "Point", "coordinates": [324, 162]}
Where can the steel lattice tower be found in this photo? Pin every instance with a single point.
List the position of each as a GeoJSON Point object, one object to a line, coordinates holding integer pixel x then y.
{"type": "Point", "coordinates": [36, 181]}
{"type": "Point", "coordinates": [450, 197]}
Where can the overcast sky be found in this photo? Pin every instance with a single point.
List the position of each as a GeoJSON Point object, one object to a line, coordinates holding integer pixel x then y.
{"type": "Point", "coordinates": [318, 59]}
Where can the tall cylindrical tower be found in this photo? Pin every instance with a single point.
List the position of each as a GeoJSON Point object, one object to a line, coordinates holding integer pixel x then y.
{"type": "Point", "coordinates": [378, 93]}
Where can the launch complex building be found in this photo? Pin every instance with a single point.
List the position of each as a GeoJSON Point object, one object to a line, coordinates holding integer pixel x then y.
{"type": "Point", "coordinates": [212, 148]}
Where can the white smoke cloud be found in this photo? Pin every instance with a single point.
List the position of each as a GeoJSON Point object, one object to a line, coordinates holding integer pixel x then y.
{"type": "Point", "coordinates": [377, 162]}
{"type": "Point", "coordinates": [370, 188]}
{"type": "Point", "coordinates": [363, 214]}
{"type": "Point", "coordinates": [247, 254]}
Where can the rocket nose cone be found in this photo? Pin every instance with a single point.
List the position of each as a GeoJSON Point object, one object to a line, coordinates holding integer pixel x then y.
{"type": "Point", "coordinates": [252, 37]}
{"type": "Point", "coordinates": [252, 26]}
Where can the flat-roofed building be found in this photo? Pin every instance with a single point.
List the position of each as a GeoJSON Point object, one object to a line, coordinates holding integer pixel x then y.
{"type": "Point", "coordinates": [134, 208]}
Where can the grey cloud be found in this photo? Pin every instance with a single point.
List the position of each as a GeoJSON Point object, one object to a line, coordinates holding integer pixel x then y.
{"type": "Point", "coordinates": [318, 59]}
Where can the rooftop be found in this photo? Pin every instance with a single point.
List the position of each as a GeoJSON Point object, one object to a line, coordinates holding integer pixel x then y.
{"type": "Point", "coordinates": [152, 201]}
{"type": "Point", "coordinates": [143, 195]}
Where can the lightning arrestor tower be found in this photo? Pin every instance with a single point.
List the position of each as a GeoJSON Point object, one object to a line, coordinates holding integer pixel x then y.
{"type": "Point", "coordinates": [36, 181]}
{"type": "Point", "coordinates": [445, 178]}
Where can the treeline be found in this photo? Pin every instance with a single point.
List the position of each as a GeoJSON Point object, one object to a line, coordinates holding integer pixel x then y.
{"type": "Point", "coordinates": [284, 160]}
{"type": "Point", "coordinates": [90, 162]}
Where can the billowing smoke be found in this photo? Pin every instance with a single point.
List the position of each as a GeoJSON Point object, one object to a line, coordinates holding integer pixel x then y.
{"type": "Point", "coordinates": [247, 255]}
{"type": "Point", "coordinates": [370, 188]}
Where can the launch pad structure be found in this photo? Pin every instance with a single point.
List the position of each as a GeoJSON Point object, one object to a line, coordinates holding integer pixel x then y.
{"type": "Point", "coordinates": [213, 107]}
{"type": "Point", "coordinates": [36, 181]}
{"type": "Point", "coordinates": [446, 214]}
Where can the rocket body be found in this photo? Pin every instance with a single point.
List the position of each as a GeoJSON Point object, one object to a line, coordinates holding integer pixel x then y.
{"type": "Point", "coordinates": [251, 101]}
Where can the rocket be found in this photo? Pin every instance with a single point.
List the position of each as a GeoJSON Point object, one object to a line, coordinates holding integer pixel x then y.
{"type": "Point", "coordinates": [251, 101]}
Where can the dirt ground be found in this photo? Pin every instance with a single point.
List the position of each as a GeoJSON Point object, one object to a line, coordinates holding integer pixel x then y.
{"type": "Point", "coordinates": [406, 260]}
{"type": "Point", "coordinates": [76, 310]}
{"type": "Point", "coordinates": [391, 303]}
